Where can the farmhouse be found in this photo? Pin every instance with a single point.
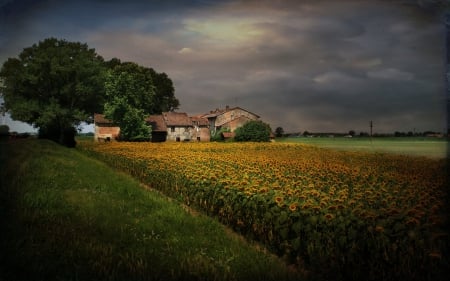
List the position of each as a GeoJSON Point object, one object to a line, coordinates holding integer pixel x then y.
{"type": "Point", "coordinates": [230, 118]}
{"type": "Point", "coordinates": [178, 126]}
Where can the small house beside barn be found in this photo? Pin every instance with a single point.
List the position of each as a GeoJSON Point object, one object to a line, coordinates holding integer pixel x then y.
{"type": "Point", "coordinates": [105, 129]}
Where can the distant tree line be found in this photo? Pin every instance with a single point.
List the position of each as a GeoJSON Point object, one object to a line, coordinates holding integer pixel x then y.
{"type": "Point", "coordinates": [56, 85]}
{"type": "Point", "coordinates": [352, 133]}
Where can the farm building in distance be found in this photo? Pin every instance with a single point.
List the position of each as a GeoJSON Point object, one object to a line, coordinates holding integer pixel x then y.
{"type": "Point", "coordinates": [230, 118]}
{"type": "Point", "coordinates": [105, 129]}
{"type": "Point", "coordinates": [178, 126]}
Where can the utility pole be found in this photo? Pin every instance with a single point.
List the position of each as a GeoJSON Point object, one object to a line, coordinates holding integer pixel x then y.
{"type": "Point", "coordinates": [447, 29]}
{"type": "Point", "coordinates": [371, 126]}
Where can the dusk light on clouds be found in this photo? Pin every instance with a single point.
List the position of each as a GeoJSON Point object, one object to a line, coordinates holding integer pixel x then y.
{"type": "Point", "coordinates": [325, 66]}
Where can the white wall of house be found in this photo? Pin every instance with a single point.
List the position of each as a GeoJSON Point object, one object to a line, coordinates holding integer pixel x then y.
{"type": "Point", "coordinates": [179, 133]}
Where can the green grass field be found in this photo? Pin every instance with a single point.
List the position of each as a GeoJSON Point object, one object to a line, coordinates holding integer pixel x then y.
{"type": "Point", "coordinates": [65, 216]}
{"type": "Point", "coordinates": [420, 146]}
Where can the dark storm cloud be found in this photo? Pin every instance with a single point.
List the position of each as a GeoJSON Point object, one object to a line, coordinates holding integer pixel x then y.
{"type": "Point", "coordinates": [302, 65]}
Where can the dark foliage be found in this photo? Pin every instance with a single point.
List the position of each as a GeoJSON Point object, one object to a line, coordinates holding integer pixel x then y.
{"type": "Point", "coordinates": [257, 131]}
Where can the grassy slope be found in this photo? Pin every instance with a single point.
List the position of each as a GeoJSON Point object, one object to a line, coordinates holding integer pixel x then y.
{"type": "Point", "coordinates": [428, 147]}
{"type": "Point", "coordinates": [65, 216]}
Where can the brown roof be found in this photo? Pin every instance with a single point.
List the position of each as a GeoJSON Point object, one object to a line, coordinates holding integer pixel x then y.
{"type": "Point", "coordinates": [217, 112]}
{"type": "Point", "coordinates": [100, 118]}
{"type": "Point", "coordinates": [214, 113]}
{"type": "Point", "coordinates": [177, 119]}
{"type": "Point", "coordinates": [237, 107]}
{"type": "Point", "coordinates": [201, 121]}
{"type": "Point", "coordinates": [157, 123]}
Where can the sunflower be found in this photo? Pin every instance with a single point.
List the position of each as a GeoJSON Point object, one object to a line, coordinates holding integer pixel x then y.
{"type": "Point", "coordinates": [279, 200]}
{"type": "Point", "coordinates": [306, 206]}
{"type": "Point", "coordinates": [293, 206]}
{"type": "Point", "coordinates": [332, 208]}
{"type": "Point", "coordinates": [379, 228]}
{"type": "Point", "coordinates": [329, 217]}
{"type": "Point", "coordinates": [263, 190]}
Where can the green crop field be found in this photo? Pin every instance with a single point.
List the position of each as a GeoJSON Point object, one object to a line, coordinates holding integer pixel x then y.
{"type": "Point", "coordinates": [413, 146]}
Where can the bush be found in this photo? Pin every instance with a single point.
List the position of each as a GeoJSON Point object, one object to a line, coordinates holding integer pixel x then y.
{"type": "Point", "coordinates": [257, 131]}
{"type": "Point", "coordinates": [4, 130]}
{"type": "Point", "coordinates": [217, 135]}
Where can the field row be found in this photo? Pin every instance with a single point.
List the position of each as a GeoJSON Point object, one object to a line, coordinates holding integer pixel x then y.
{"type": "Point", "coordinates": [310, 205]}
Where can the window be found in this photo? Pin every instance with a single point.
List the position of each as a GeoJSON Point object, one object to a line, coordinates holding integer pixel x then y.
{"type": "Point", "coordinates": [172, 129]}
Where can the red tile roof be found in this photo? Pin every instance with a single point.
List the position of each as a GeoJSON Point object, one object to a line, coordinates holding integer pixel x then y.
{"type": "Point", "coordinates": [200, 120]}
{"type": "Point", "coordinates": [176, 119]}
{"type": "Point", "coordinates": [217, 112]}
{"type": "Point", "coordinates": [157, 123]}
{"type": "Point", "coordinates": [100, 118]}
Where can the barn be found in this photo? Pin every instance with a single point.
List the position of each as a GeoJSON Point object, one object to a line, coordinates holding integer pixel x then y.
{"type": "Point", "coordinates": [159, 128]}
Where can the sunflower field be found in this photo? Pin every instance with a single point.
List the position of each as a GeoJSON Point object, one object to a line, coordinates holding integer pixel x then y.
{"type": "Point", "coordinates": [342, 215]}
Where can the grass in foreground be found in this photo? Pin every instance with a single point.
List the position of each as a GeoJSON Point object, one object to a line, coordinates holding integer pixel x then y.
{"type": "Point", "coordinates": [65, 216]}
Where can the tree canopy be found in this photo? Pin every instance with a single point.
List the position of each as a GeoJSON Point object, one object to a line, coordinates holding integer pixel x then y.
{"type": "Point", "coordinates": [54, 85]}
{"type": "Point", "coordinates": [254, 130]}
{"type": "Point", "coordinates": [130, 97]}
{"type": "Point", "coordinates": [164, 92]}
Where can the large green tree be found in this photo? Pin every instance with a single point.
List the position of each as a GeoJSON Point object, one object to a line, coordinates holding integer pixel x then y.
{"type": "Point", "coordinates": [54, 85]}
{"type": "Point", "coordinates": [130, 97]}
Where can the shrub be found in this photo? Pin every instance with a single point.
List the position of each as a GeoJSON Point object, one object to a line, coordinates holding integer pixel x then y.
{"type": "Point", "coordinates": [257, 131]}
{"type": "Point", "coordinates": [217, 135]}
{"type": "Point", "coordinates": [4, 130]}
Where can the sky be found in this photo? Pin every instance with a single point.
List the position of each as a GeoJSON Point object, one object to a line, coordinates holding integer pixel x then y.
{"type": "Point", "coordinates": [317, 66]}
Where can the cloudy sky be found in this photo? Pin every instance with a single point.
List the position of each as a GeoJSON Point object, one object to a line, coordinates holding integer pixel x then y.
{"type": "Point", "coordinates": [302, 65]}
